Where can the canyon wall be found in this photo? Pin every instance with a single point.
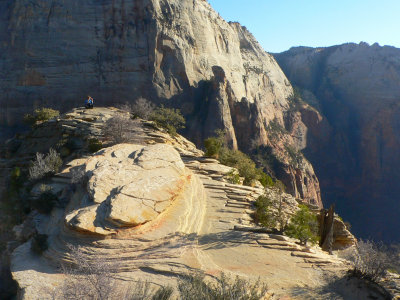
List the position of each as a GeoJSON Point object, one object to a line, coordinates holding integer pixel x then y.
{"type": "Point", "coordinates": [179, 53]}
{"type": "Point", "coordinates": [355, 149]}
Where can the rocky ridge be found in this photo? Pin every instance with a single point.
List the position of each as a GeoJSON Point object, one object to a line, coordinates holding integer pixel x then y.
{"type": "Point", "coordinates": [207, 225]}
{"type": "Point", "coordinates": [181, 53]}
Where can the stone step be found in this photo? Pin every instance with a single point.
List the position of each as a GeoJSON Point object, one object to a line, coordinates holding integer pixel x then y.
{"type": "Point", "coordinates": [238, 198]}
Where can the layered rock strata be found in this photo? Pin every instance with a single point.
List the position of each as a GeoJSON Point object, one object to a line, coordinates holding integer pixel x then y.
{"type": "Point", "coordinates": [354, 146]}
{"type": "Point", "coordinates": [207, 225]}
{"type": "Point", "coordinates": [181, 53]}
{"type": "Point", "coordinates": [204, 223]}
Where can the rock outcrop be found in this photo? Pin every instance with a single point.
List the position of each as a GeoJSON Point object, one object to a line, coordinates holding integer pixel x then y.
{"type": "Point", "coordinates": [129, 185]}
{"type": "Point", "coordinates": [355, 146]}
{"type": "Point", "coordinates": [206, 225]}
{"type": "Point", "coordinates": [177, 52]}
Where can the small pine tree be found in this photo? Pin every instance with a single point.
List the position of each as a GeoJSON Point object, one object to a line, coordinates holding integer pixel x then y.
{"type": "Point", "coordinates": [303, 226]}
{"type": "Point", "coordinates": [263, 214]}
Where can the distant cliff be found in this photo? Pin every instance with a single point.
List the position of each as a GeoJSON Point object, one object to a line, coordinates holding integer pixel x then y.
{"type": "Point", "coordinates": [355, 150]}
{"type": "Point", "coordinates": [181, 53]}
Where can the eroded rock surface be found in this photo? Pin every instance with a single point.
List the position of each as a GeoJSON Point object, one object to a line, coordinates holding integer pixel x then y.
{"type": "Point", "coordinates": [128, 185]}
{"type": "Point", "coordinates": [354, 147]}
{"type": "Point", "coordinates": [207, 225]}
{"type": "Point", "coordinates": [174, 51]}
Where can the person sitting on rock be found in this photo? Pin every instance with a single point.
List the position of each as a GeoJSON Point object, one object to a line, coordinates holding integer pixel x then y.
{"type": "Point", "coordinates": [89, 102]}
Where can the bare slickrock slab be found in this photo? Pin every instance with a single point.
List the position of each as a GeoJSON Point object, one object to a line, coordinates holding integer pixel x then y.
{"type": "Point", "coordinates": [129, 185]}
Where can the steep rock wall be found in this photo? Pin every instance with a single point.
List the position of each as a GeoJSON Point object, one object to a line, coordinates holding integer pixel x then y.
{"type": "Point", "coordinates": [357, 88]}
{"type": "Point", "coordinates": [182, 53]}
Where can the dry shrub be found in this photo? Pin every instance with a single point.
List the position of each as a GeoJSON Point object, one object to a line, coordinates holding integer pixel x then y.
{"type": "Point", "coordinates": [370, 260]}
{"type": "Point", "coordinates": [142, 108]}
{"type": "Point", "coordinates": [120, 129]}
{"type": "Point", "coordinates": [45, 165]}
{"type": "Point", "coordinates": [195, 287]}
{"type": "Point", "coordinates": [95, 279]}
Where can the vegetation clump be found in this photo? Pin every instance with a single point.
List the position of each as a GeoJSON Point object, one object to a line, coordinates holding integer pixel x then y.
{"type": "Point", "coordinates": [216, 147]}
{"type": "Point", "coordinates": [370, 260]}
{"type": "Point", "coordinates": [41, 115]}
{"type": "Point", "coordinates": [213, 146]}
{"type": "Point", "coordinates": [168, 118]}
{"type": "Point", "coordinates": [275, 129]}
{"type": "Point", "coordinates": [142, 108]}
{"type": "Point", "coordinates": [46, 201]}
{"type": "Point", "coordinates": [45, 165]}
{"type": "Point", "coordinates": [94, 145]}
{"type": "Point", "coordinates": [264, 214]}
{"type": "Point", "coordinates": [39, 243]}
{"type": "Point", "coordinates": [270, 210]}
{"type": "Point", "coordinates": [120, 129]}
{"type": "Point", "coordinates": [303, 226]}
{"type": "Point", "coordinates": [295, 156]}
{"type": "Point", "coordinates": [195, 287]}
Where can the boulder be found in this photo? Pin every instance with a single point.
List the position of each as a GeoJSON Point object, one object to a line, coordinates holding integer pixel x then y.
{"type": "Point", "coordinates": [128, 185]}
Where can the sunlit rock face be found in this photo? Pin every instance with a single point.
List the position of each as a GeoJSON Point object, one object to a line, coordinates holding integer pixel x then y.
{"type": "Point", "coordinates": [182, 53]}
{"type": "Point", "coordinates": [128, 185]}
{"type": "Point", "coordinates": [157, 213]}
{"type": "Point", "coordinates": [355, 149]}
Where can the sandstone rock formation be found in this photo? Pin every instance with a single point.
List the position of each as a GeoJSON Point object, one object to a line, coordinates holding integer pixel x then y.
{"type": "Point", "coordinates": [206, 226]}
{"type": "Point", "coordinates": [177, 52]}
{"type": "Point", "coordinates": [354, 146]}
{"type": "Point", "coordinates": [205, 222]}
{"type": "Point", "coordinates": [128, 185]}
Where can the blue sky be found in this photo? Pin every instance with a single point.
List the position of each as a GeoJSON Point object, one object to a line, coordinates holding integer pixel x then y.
{"type": "Point", "coordinates": [281, 24]}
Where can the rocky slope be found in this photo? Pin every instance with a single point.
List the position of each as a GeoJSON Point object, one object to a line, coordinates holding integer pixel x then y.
{"type": "Point", "coordinates": [156, 209]}
{"type": "Point", "coordinates": [354, 148]}
{"type": "Point", "coordinates": [181, 53]}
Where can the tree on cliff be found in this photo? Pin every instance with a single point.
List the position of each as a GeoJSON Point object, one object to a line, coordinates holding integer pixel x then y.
{"type": "Point", "coordinates": [303, 226]}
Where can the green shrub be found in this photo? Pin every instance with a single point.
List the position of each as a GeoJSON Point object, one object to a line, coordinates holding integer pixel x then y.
{"type": "Point", "coordinates": [270, 212]}
{"type": "Point", "coordinates": [45, 202]}
{"type": "Point", "coordinates": [213, 146]}
{"type": "Point", "coordinates": [263, 214]}
{"type": "Point", "coordinates": [39, 243]}
{"type": "Point", "coordinates": [94, 145]}
{"type": "Point", "coordinates": [163, 293]}
{"type": "Point", "coordinates": [216, 147]}
{"type": "Point", "coordinates": [45, 165]}
{"type": "Point", "coordinates": [242, 162]}
{"type": "Point", "coordinates": [233, 177]}
{"type": "Point", "coordinates": [168, 118]}
{"type": "Point", "coordinates": [195, 287]}
{"type": "Point", "coordinates": [265, 179]}
{"type": "Point", "coordinates": [303, 226]}
{"type": "Point", "coordinates": [41, 115]}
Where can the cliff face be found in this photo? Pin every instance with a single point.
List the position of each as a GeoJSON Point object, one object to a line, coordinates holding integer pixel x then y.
{"type": "Point", "coordinates": [357, 88]}
{"type": "Point", "coordinates": [182, 53]}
